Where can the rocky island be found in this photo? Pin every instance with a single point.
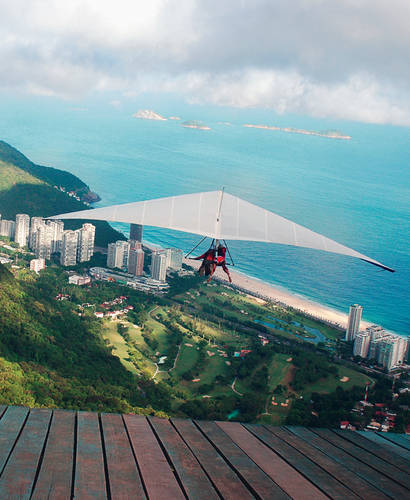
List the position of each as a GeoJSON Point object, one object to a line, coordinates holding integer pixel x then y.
{"type": "Point", "coordinates": [195, 124]}
{"type": "Point", "coordinates": [331, 134]}
{"type": "Point", "coordinates": [148, 114]}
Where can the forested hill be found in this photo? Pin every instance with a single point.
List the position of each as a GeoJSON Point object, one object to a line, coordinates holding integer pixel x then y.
{"type": "Point", "coordinates": [51, 357]}
{"type": "Point", "coordinates": [52, 176]}
{"type": "Point", "coordinates": [33, 189]}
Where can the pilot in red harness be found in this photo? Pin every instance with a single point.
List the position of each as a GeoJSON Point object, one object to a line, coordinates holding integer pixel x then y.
{"type": "Point", "coordinates": [220, 261]}
{"type": "Point", "coordinates": [208, 262]}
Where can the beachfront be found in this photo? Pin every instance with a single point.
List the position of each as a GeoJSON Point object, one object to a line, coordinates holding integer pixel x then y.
{"type": "Point", "coordinates": [283, 297]}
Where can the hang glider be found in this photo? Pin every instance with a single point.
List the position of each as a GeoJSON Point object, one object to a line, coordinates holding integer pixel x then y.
{"type": "Point", "coordinates": [221, 216]}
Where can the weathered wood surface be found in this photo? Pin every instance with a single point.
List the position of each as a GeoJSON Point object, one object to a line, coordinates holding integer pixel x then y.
{"type": "Point", "coordinates": [58, 454]}
{"type": "Point", "coordinates": [358, 485]}
{"type": "Point", "coordinates": [385, 443]}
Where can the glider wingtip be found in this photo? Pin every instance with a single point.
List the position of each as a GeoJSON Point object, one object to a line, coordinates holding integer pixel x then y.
{"type": "Point", "coordinates": [382, 266]}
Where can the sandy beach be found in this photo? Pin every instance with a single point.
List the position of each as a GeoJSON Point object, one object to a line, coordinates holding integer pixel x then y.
{"type": "Point", "coordinates": [284, 297]}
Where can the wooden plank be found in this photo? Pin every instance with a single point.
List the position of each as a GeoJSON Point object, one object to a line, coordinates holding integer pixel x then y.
{"type": "Point", "coordinates": [378, 464]}
{"type": "Point", "coordinates": [20, 471]}
{"type": "Point", "coordinates": [385, 485]}
{"type": "Point", "coordinates": [10, 426]}
{"type": "Point", "coordinates": [223, 478]}
{"type": "Point", "coordinates": [123, 475]}
{"type": "Point", "coordinates": [89, 478]}
{"type": "Point", "coordinates": [55, 477]}
{"type": "Point", "coordinates": [257, 481]}
{"type": "Point", "coordinates": [375, 449]}
{"type": "Point", "coordinates": [194, 480]}
{"type": "Point", "coordinates": [355, 483]}
{"type": "Point", "coordinates": [158, 477]}
{"type": "Point", "coordinates": [318, 476]}
{"type": "Point", "coordinates": [293, 483]}
{"type": "Point", "coordinates": [395, 448]}
{"type": "Point", "coordinates": [398, 439]}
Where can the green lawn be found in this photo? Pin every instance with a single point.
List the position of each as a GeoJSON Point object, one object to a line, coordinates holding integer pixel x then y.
{"type": "Point", "coordinates": [330, 383]}
{"type": "Point", "coordinates": [278, 370]}
{"type": "Point", "coordinates": [188, 356]}
{"type": "Point", "coordinates": [120, 348]}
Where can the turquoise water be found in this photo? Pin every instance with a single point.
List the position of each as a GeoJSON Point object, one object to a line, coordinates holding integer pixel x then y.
{"type": "Point", "coordinates": [317, 335]}
{"type": "Point", "coordinates": [356, 192]}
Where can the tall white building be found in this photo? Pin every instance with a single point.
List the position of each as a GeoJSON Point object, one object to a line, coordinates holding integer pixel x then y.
{"type": "Point", "coordinates": [392, 351]}
{"type": "Point", "coordinates": [57, 234]}
{"type": "Point", "coordinates": [353, 324]}
{"type": "Point", "coordinates": [22, 229]}
{"type": "Point", "coordinates": [46, 237]}
{"type": "Point", "coordinates": [361, 344]}
{"type": "Point", "coordinates": [118, 254]}
{"type": "Point", "coordinates": [175, 257]}
{"type": "Point", "coordinates": [159, 266]}
{"type": "Point", "coordinates": [7, 228]}
{"type": "Point", "coordinates": [42, 239]}
{"type": "Point", "coordinates": [376, 334]}
{"type": "Point", "coordinates": [86, 239]}
{"type": "Point", "coordinates": [36, 222]}
{"type": "Point", "coordinates": [69, 246]}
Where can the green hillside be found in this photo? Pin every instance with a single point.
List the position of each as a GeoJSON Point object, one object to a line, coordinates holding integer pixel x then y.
{"type": "Point", "coordinates": [51, 357]}
{"type": "Point", "coordinates": [50, 175]}
{"type": "Point", "coordinates": [12, 175]}
{"type": "Point", "coordinates": [29, 188]}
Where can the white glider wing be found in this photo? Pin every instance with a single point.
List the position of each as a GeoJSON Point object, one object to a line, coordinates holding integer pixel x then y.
{"type": "Point", "coordinates": [218, 215]}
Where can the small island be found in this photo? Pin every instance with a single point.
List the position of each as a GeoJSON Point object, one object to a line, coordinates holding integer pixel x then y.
{"type": "Point", "coordinates": [195, 124]}
{"type": "Point", "coordinates": [331, 134]}
{"type": "Point", "coordinates": [148, 114]}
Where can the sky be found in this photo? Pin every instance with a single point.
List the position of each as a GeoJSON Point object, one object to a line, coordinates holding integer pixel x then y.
{"type": "Point", "coordinates": [346, 59]}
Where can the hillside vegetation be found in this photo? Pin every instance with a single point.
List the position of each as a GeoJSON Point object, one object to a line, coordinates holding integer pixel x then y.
{"type": "Point", "coordinates": [51, 357]}
{"type": "Point", "coordinates": [29, 188]}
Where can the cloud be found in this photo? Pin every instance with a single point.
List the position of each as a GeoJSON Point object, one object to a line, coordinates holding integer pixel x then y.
{"type": "Point", "coordinates": [318, 57]}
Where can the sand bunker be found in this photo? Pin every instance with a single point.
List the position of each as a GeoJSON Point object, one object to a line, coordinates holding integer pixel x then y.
{"type": "Point", "coordinates": [196, 379]}
{"type": "Point", "coordinates": [344, 379]}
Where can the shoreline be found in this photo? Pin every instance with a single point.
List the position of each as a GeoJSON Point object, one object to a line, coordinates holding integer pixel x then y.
{"type": "Point", "coordinates": [265, 291]}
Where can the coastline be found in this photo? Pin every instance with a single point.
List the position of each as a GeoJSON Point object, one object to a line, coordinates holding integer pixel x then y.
{"type": "Point", "coordinates": [285, 298]}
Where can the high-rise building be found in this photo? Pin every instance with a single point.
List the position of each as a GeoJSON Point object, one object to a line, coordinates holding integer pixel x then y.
{"type": "Point", "coordinates": [353, 324]}
{"type": "Point", "coordinates": [69, 245]}
{"type": "Point", "coordinates": [22, 229]}
{"type": "Point", "coordinates": [118, 254]}
{"type": "Point", "coordinates": [57, 238]}
{"type": "Point", "coordinates": [376, 334]}
{"type": "Point", "coordinates": [175, 258]}
{"type": "Point", "coordinates": [361, 344]}
{"type": "Point", "coordinates": [7, 228]}
{"type": "Point", "coordinates": [86, 242]}
{"type": "Point", "coordinates": [36, 222]}
{"type": "Point", "coordinates": [136, 232]}
{"type": "Point", "coordinates": [136, 261]}
{"type": "Point", "coordinates": [46, 237]}
{"type": "Point", "coordinates": [43, 241]}
{"type": "Point", "coordinates": [392, 351]}
{"type": "Point", "coordinates": [159, 266]}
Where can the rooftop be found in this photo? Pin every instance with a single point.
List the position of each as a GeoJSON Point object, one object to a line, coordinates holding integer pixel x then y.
{"type": "Point", "coordinates": [66, 454]}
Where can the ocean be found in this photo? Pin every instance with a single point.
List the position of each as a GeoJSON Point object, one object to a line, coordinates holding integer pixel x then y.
{"type": "Point", "coordinates": [354, 191]}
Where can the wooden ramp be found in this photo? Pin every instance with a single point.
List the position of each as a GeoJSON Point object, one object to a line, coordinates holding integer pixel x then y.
{"type": "Point", "coordinates": [58, 454]}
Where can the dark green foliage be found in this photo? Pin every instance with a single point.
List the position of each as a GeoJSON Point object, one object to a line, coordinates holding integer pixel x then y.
{"type": "Point", "coordinates": [50, 356]}
{"type": "Point", "coordinates": [44, 200]}
{"type": "Point", "coordinates": [310, 367]}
